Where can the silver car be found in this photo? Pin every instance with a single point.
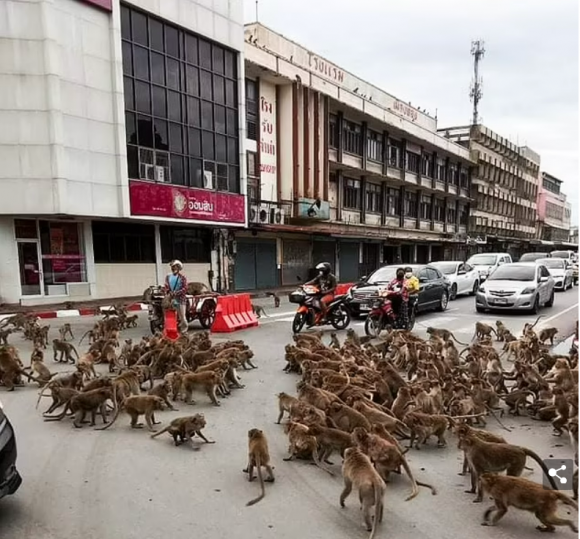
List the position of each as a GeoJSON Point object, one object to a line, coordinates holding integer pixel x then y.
{"type": "Point", "coordinates": [561, 270]}
{"type": "Point", "coordinates": [524, 286]}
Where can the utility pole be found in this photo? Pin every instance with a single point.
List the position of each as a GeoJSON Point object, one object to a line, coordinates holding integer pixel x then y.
{"type": "Point", "coordinates": [257, 11]}
{"type": "Point", "coordinates": [477, 51]}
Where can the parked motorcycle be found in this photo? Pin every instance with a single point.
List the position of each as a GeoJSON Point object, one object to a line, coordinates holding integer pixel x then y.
{"type": "Point", "coordinates": [337, 314]}
{"type": "Point", "coordinates": [383, 317]}
{"type": "Point", "coordinates": [200, 308]}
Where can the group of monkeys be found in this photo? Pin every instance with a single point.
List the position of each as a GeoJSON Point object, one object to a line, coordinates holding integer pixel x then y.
{"type": "Point", "coordinates": [360, 399]}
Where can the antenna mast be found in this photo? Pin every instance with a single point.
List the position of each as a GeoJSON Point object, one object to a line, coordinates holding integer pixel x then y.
{"type": "Point", "coordinates": [477, 51]}
{"type": "Point", "coordinates": [257, 11]}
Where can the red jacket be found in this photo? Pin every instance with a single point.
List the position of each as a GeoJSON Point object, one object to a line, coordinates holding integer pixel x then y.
{"type": "Point", "coordinates": [180, 291]}
{"type": "Point", "coordinates": [399, 286]}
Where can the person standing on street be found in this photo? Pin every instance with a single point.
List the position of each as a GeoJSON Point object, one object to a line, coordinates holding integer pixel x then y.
{"type": "Point", "coordinates": [176, 287]}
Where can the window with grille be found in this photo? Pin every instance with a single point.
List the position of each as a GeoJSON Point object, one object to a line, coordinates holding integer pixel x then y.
{"type": "Point", "coordinates": [413, 162]}
{"type": "Point", "coordinates": [425, 207]}
{"type": "Point", "coordinates": [395, 154]}
{"type": "Point", "coordinates": [181, 105]}
{"type": "Point", "coordinates": [333, 131]}
{"type": "Point", "coordinates": [451, 214]}
{"type": "Point", "coordinates": [352, 198]}
{"type": "Point", "coordinates": [392, 201]}
{"type": "Point", "coordinates": [373, 198]}
{"type": "Point", "coordinates": [352, 138]}
{"type": "Point", "coordinates": [375, 146]}
{"type": "Point", "coordinates": [427, 165]}
{"type": "Point", "coordinates": [410, 204]}
{"type": "Point", "coordinates": [252, 99]}
{"type": "Point", "coordinates": [439, 210]}
{"type": "Point", "coordinates": [441, 170]}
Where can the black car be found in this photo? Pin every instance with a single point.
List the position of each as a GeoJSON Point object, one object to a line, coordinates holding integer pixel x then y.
{"type": "Point", "coordinates": [433, 291]}
{"type": "Point", "coordinates": [10, 479]}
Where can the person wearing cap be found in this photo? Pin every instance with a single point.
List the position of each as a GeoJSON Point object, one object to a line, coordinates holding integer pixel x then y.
{"type": "Point", "coordinates": [176, 287]}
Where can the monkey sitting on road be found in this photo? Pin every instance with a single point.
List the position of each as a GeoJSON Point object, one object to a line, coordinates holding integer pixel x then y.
{"type": "Point", "coordinates": [548, 333]}
{"type": "Point", "coordinates": [258, 456]}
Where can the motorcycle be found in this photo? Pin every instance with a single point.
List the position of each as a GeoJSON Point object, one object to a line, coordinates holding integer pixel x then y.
{"type": "Point", "coordinates": [337, 313]}
{"type": "Point", "coordinates": [383, 317]}
{"type": "Point", "coordinates": [200, 308]}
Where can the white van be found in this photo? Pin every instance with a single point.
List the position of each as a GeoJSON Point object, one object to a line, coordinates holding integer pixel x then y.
{"type": "Point", "coordinates": [485, 263]}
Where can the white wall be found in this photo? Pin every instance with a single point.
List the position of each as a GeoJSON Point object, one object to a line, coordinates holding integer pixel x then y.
{"type": "Point", "coordinates": [9, 273]}
{"type": "Point", "coordinates": [123, 280]}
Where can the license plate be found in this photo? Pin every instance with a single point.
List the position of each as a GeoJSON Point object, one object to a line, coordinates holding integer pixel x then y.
{"type": "Point", "coordinates": [501, 301]}
{"type": "Point", "coordinates": [365, 307]}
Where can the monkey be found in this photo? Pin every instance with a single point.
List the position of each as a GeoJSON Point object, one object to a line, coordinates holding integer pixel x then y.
{"type": "Point", "coordinates": [352, 336]}
{"type": "Point", "coordinates": [423, 426]}
{"type": "Point", "coordinates": [4, 334]}
{"type": "Point", "coordinates": [483, 330]}
{"type": "Point", "coordinates": [196, 289]}
{"type": "Point", "coordinates": [131, 321]}
{"type": "Point", "coordinates": [548, 333]}
{"type": "Point", "coordinates": [89, 401]}
{"type": "Point", "coordinates": [334, 342]}
{"type": "Point", "coordinates": [562, 410]}
{"type": "Point", "coordinates": [330, 440]}
{"type": "Point", "coordinates": [136, 405]}
{"type": "Point", "coordinates": [64, 331]}
{"type": "Point", "coordinates": [245, 359]}
{"type": "Point", "coordinates": [86, 364]}
{"type": "Point", "coordinates": [528, 327]}
{"type": "Point", "coordinates": [444, 334]}
{"type": "Point", "coordinates": [72, 381]}
{"type": "Point", "coordinates": [65, 349]}
{"type": "Point", "coordinates": [60, 396]}
{"type": "Point", "coordinates": [463, 429]}
{"type": "Point", "coordinates": [43, 374]}
{"type": "Point", "coordinates": [276, 299]}
{"type": "Point", "coordinates": [208, 380]}
{"type": "Point", "coordinates": [258, 456]}
{"type": "Point", "coordinates": [258, 310]}
{"type": "Point", "coordinates": [358, 471]}
{"type": "Point", "coordinates": [37, 355]}
{"type": "Point", "coordinates": [302, 444]}
{"type": "Point", "coordinates": [524, 494]}
{"type": "Point", "coordinates": [516, 399]}
{"type": "Point", "coordinates": [493, 457]}
{"type": "Point", "coordinates": [285, 404]}
{"type": "Point", "coordinates": [403, 400]}
{"type": "Point", "coordinates": [92, 334]}
{"type": "Point", "coordinates": [500, 330]}
{"type": "Point", "coordinates": [11, 369]}
{"type": "Point", "coordinates": [163, 391]}
{"type": "Point", "coordinates": [183, 429]}
{"type": "Point", "coordinates": [346, 418]}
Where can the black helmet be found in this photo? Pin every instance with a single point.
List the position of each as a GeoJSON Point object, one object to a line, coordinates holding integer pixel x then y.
{"type": "Point", "coordinates": [324, 268]}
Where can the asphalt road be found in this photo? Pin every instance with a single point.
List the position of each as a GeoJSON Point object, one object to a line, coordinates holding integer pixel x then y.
{"type": "Point", "coordinates": [120, 483]}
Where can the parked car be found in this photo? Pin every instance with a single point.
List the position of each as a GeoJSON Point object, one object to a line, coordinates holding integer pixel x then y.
{"type": "Point", "coordinates": [464, 278]}
{"type": "Point", "coordinates": [532, 257]}
{"type": "Point", "coordinates": [434, 289]}
{"type": "Point", "coordinates": [523, 286]}
{"type": "Point", "coordinates": [485, 263]}
{"type": "Point", "coordinates": [575, 272]}
{"type": "Point", "coordinates": [10, 479]}
{"type": "Point", "coordinates": [570, 256]}
{"type": "Point", "coordinates": [561, 270]}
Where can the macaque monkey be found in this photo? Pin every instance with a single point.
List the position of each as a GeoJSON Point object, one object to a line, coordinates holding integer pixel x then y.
{"type": "Point", "coordinates": [64, 331]}
{"type": "Point", "coordinates": [4, 334]}
{"type": "Point", "coordinates": [276, 299]}
{"type": "Point", "coordinates": [548, 333]}
{"type": "Point", "coordinates": [65, 349]}
{"type": "Point", "coordinates": [183, 429]}
{"type": "Point", "coordinates": [86, 402]}
{"type": "Point", "coordinates": [258, 310]}
{"type": "Point", "coordinates": [258, 456]}
{"type": "Point", "coordinates": [136, 405]}
{"type": "Point", "coordinates": [444, 334]}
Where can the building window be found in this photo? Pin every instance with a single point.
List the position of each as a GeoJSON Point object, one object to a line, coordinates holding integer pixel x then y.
{"type": "Point", "coordinates": [190, 245]}
{"type": "Point", "coordinates": [352, 137]}
{"type": "Point", "coordinates": [393, 197]}
{"type": "Point", "coordinates": [373, 198]}
{"type": "Point", "coordinates": [425, 207]}
{"type": "Point", "coordinates": [181, 105]}
{"type": "Point", "coordinates": [352, 194]}
{"type": "Point", "coordinates": [463, 215]}
{"type": "Point", "coordinates": [441, 170]}
{"type": "Point", "coordinates": [410, 204]}
{"type": "Point", "coordinates": [252, 99]}
{"type": "Point", "coordinates": [439, 210]}
{"type": "Point", "coordinates": [375, 146]}
{"type": "Point", "coordinates": [451, 215]}
{"type": "Point", "coordinates": [452, 176]}
{"type": "Point", "coordinates": [464, 178]}
{"type": "Point", "coordinates": [427, 165]}
{"type": "Point", "coordinates": [123, 243]}
{"type": "Point", "coordinates": [395, 154]}
{"type": "Point", "coordinates": [333, 131]}
{"type": "Point", "coordinates": [252, 160]}
{"type": "Point", "coordinates": [413, 162]}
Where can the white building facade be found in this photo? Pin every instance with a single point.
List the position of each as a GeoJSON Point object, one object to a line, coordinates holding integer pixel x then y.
{"type": "Point", "coordinates": [121, 145]}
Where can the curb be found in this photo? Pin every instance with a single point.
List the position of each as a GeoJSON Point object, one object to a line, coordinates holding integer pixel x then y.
{"type": "Point", "coordinates": [80, 312]}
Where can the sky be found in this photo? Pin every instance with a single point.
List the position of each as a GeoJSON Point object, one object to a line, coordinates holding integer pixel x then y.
{"type": "Point", "coordinates": [419, 51]}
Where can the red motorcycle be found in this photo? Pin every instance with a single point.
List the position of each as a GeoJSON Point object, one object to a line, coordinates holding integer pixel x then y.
{"type": "Point", "coordinates": [382, 316]}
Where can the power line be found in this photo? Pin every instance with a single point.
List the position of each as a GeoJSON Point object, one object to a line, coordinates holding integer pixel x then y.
{"type": "Point", "coordinates": [476, 92]}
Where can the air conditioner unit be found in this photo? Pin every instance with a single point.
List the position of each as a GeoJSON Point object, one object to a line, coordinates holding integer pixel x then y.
{"type": "Point", "coordinates": [254, 216]}
{"type": "Point", "coordinates": [146, 171]}
{"type": "Point", "coordinates": [161, 174]}
{"type": "Point", "coordinates": [277, 216]}
{"type": "Point", "coordinates": [264, 214]}
{"type": "Point", "coordinates": [207, 179]}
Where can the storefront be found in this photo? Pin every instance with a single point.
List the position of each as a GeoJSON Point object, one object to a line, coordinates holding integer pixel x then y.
{"type": "Point", "coordinates": [255, 266]}
{"type": "Point", "coordinates": [348, 261]}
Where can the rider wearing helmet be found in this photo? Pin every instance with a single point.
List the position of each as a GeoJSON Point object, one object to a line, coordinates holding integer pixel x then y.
{"type": "Point", "coordinates": [176, 287]}
{"type": "Point", "coordinates": [326, 281]}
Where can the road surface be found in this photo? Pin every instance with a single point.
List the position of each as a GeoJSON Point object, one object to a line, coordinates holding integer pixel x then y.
{"type": "Point", "coordinates": [121, 484]}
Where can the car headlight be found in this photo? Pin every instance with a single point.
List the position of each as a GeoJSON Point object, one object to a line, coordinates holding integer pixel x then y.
{"type": "Point", "coordinates": [529, 290]}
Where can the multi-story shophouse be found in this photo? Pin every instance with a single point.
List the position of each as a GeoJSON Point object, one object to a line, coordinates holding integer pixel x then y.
{"type": "Point", "coordinates": [121, 133]}
{"type": "Point", "coordinates": [554, 213]}
{"type": "Point", "coordinates": [340, 171]}
{"type": "Point", "coordinates": [504, 187]}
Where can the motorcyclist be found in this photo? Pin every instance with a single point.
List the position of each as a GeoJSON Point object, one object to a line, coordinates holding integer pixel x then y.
{"type": "Point", "coordinates": [326, 282]}
{"type": "Point", "coordinates": [399, 300]}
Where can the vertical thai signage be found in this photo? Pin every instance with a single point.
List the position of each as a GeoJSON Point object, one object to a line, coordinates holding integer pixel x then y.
{"type": "Point", "coordinates": [268, 142]}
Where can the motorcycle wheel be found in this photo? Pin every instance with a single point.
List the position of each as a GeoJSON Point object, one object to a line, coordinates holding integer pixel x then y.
{"type": "Point", "coordinates": [411, 322]}
{"type": "Point", "coordinates": [373, 326]}
{"type": "Point", "coordinates": [298, 322]}
{"type": "Point", "coordinates": [340, 318]}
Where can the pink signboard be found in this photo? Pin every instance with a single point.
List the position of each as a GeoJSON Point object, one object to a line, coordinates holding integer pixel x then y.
{"type": "Point", "coordinates": [172, 201]}
{"type": "Point", "coordinates": [103, 4]}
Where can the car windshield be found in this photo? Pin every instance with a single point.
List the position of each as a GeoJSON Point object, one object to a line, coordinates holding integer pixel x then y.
{"type": "Point", "coordinates": [446, 268]}
{"type": "Point", "coordinates": [513, 272]}
{"type": "Point", "coordinates": [482, 260]}
{"type": "Point", "coordinates": [560, 254]}
{"type": "Point", "coordinates": [553, 263]}
{"type": "Point", "coordinates": [383, 275]}
{"type": "Point", "coordinates": [530, 257]}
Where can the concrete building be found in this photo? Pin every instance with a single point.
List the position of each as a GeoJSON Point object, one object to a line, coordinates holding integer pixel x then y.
{"type": "Point", "coordinates": [121, 145]}
{"type": "Point", "coordinates": [573, 238]}
{"type": "Point", "coordinates": [505, 185]}
{"type": "Point", "coordinates": [554, 212]}
{"type": "Point", "coordinates": [340, 171]}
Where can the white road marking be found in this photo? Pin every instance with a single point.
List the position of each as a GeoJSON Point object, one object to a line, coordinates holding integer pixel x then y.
{"type": "Point", "coordinates": [547, 320]}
